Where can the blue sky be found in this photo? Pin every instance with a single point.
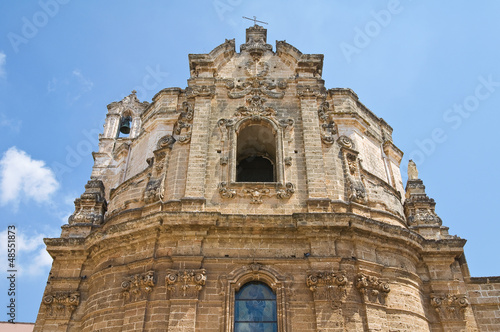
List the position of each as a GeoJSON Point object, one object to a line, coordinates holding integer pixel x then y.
{"type": "Point", "coordinates": [429, 68]}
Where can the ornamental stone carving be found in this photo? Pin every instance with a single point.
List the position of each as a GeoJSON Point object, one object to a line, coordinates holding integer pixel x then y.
{"type": "Point", "coordinates": [166, 141]}
{"type": "Point", "coordinates": [327, 126]}
{"type": "Point", "coordinates": [183, 126]}
{"type": "Point", "coordinates": [91, 206]}
{"type": "Point", "coordinates": [355, 189]}
{"type": "Point", "coordinates": [225, 192]}
{"type": "Point", "coordinates": [154, 191]}
{"type": "Point", "coordinates": [372, 289]}
{"type": "Point", "coordinates": [257, 86]}
{"type": "Point", "coordinates": [450, 307]}
{"type": "Point", "coordinates": [286, 192]}
{"type": "Point", "coordinates": [256, 109]}
{"type": "Point", "coordinates": [328, 286]}
{"type": "Point", "coordinates": [256, 194]}
{"type": "Point", "coordinates": [200, 91]}
{"type": "Point", "coordinates": [311, 91]}
{"type": "Point", "coordinates": [61, 304]}
{"type": "Point", "coordinates": [137, 287]}
{"type": "Point", "coordinates": [185, 284]}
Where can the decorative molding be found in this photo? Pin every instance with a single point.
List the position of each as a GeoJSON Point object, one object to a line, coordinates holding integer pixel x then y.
{"type": "Point", "coordinates": [372, 289]}
{"type": "Point", "coordinates": [137, 287]}
{"type": "Point", "coordinates": [256, 86]}
{"type": "Point", "coordinates": [450, 307]}
{"type": "Point", "coordinates": [328, 286]}
{"type": "Point", "coordinates": [185, 284]}
{"type": "Point", "coordinates": [256, 109]}
{"type": "Point", "coordinates": [61, 304]}
{"type": "Point", "coordinates": [91, 206]}
{"type": "Point", "coordinates": [183, 126]}
{"type": "Point", "coordinates": [155, 191]}
{"type": "Point", "coordinates": [256, 194]}
{"type": "Point", "coordinates": [311, 91]}
{"type": "Point", "coordinates": [225, 192]}
{"type": "Point", "coordinates": [327, 126]}
{"type": "Point", "coordinates": [286, 192]}
{"type": "Point", "coordinates": [345, 142]}
{"type": "Point", "coordinates": [166, 142]}
{"type": "Point", "coordinates": [200, 91]}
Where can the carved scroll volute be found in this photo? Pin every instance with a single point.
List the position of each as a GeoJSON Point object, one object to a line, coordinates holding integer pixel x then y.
{"type": "Point", "coordinates": [137, 287]}
{"type": "Point", "coordinates": [372, 289]}
{"type": "Point", "coordinates": [328, 286]}
{"type": "Point", "coordinates": [450, 307]}
{"type": "Point", "coordinates": [184, 124]}
{"type": "Point", "coordinates": [155, 187]}
{"type": "Point", "coordinates": [185, 284]}
{"type": "Point", "coordinates": [61, 304]}
{"type": "Point", "coordinates": [327, 126]}
{"type": "Point", "coordinates": [355, 188]}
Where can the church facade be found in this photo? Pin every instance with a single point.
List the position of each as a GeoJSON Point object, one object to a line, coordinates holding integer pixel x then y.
{"type": "Point", "coordinates": [256, 199]}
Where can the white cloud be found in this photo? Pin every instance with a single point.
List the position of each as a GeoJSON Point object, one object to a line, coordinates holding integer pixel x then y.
{"type": "Point", "coordinates": [32, 258]}
{"type": "Point", "coordinates": [24, 178]}
{"type": "Point", "coordinates": [2, 64]}
{"type": "Point", "coordinates": [74, 85]}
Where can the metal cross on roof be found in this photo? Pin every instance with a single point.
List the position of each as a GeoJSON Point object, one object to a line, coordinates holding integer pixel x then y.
{"type": "Point", "coordinates": [254, 19]}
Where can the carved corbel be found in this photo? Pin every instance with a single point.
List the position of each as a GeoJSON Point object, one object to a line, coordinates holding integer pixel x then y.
{"type": "Point", "coordinates": [138, 286]}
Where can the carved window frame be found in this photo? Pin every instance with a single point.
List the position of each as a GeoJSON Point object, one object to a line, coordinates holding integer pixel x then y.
{"type": "Point", "coordinates": [233, 150]}
{"type": "Point", "coordinates": [256, 273]}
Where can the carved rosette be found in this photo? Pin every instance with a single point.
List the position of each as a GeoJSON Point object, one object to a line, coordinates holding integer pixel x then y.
{"type": "Point", "coordinates": [327, 126]}
{"type": "Point", "coordinates": [450, 307]}
{"type": "Point", "coordinates": [61, 304]}
{"type": "Point", "coordinates": [137, 287]}
{"type": "Point", "coordinates": [328, 286]}
{"type": "Point", "coordinates": [185, 284]}
{"type": "Point", "coordinates": [372, 289]}
{"type": "Point", "coordinates": [91, 206]}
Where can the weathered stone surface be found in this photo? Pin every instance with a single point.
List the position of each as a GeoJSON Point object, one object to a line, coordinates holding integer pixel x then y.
{"type": "Point", "coordinates": [165, 234]}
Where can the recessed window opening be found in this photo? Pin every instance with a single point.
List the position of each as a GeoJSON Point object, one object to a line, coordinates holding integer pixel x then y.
{"type": "Point", "coordinates": [256, 154]}
{"type": "Point", "coordinates": [255, 308]}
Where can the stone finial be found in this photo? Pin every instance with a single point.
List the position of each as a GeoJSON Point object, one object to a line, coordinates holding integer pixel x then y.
{"type": "Point", "coordinates": [412, 170]}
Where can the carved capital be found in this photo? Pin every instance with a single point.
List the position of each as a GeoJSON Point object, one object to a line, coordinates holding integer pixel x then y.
{"type": "Point", "coordinates": [450, 307]}
{"type": "Point", "coordinates": [372, 289]}
{"type": "Point", "coordinates": [138, 286]}
{"type": "Point", "coordinates": [61, 304]}
{"type": "Point", "coordinates": [186, 283]}
{"type": "Point", "coordinates": [328, 286]}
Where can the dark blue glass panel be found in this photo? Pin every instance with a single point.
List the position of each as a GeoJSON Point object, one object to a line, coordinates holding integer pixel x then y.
{"type": "Point", "coordinates": [255, 327]}
{"type": "Point", "coordinates": [255, 311]}
{"type": "Point", "coordinates": [255, 291]}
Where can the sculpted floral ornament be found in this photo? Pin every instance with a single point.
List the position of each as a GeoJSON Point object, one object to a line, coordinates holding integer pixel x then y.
{"type": "Point", "coordinates": [346, 142]}
{"type": "Point", "coordinates": [183, 126]}
{"type": "Point", "coordinates": [200, 91]}
{"type": "Point", "coordinates": [311, 91]}
{"type": "Point", "coordinates": [61, 303]}
{"type": "Point", "coordinates": [185, 283]}
{"type": "Point", "coordinates": [256, 86]}
{"type": "Point", "coordinates": [286, 192]}
{"type": "Point", "coordinates": [372, 289]}
{"type": "Point", "coordinates": [450, 307]}
{"type": "Point", "coordinates": [256, 109]}
{"type": "Point", "coordinates": [328, 128]}
{"type": "Point", "coordinates": [256, 194]}
{"type": "Point", "coordinates": [328, 286]}
{"type": "Point", "coordinates": [138, 286]}
{"type": "Point", "coordinates": [154, 191]}
{"type": "Point", "coordinates": [225, 192]}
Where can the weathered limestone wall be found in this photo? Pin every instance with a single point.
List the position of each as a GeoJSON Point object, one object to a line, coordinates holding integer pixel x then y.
{"type": "Point", "coordinates": [484, 296]}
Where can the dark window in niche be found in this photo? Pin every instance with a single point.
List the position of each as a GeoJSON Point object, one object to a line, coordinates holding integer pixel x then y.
{"type": "Point", "coordinates": [256, 154]}
{"type": "Point", "coordinates": [255, 309]}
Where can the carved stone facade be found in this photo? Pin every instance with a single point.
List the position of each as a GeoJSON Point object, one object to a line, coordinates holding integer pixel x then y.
{"type": "Point", "coordinates": [178, 218]}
